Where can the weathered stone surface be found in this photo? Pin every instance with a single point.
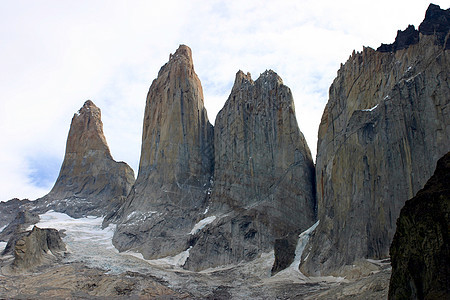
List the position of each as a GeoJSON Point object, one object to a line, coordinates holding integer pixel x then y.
{"type": "Point", "coordinates": [384, 127]}
{"type": "Point", "coordinates": [36, 247]}
{"type": "Point", "coordinates": [90, 181]}
{"type": "Point", "coordinates": [8, 212]}
{"type": "Point", "coordinates": [76, 281]}
{"type": "Point", "coordinates": [420, 250]}
{"type": "Point", "coordinates": [175, 168]}
{"type": "Point", "coordinates": [263, 177]}
{"type": "Point", "coordinates": [20, 223]}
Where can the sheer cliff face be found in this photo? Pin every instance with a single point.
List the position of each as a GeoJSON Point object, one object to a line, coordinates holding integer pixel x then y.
{"type": "Point", "coordinates": [177, 147]}
{"type": "Point", "coordinates": [260, 153]}
{"type": "Point", "coordinates": [89, 179]}
{"type": "Point", "coordinates": [384, 127]}
{"type": "Point", "coordinates": [264, 174]}
{"type": "Point", "coordinates": [176, 164]}
{"type": "Point", "coordinates": [420, 251]}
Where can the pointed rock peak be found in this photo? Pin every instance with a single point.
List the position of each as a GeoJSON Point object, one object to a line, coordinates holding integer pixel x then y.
{"type": "Point", "coordinates": [181, 58]}
{"type": "Point", "coordinates": [88, 171]}
{"type": "Point", "coordinates": [241, 79]}
{"type": "Point", "coordinates": [86, 130]}
{"type": "Point", "coordinates": [89, 107]}
{"type": "Point", "coordinates": [183, 53]}
{"type": "Point", "coordinates": [270, 76]}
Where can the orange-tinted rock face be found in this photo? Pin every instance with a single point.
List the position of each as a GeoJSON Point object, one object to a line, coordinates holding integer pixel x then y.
{"type": "Point", "coordinates": [176, 164]}
{"type": "Point", "coordinates": [89, 179]}
{"type": "Point", "coordinates": [177, 147]}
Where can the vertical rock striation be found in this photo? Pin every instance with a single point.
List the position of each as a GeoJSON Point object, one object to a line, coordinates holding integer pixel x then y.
{"type": "Point", "coordinates": [176, 164]}
{"type": "Point", "coordinates": [420, 251]}
{"type": "Point", "coordinates": [263, 177]}
{"type": "Point", "coordinates": [90, 181]}
{"type": "Point", "coordinates": [386, 124]}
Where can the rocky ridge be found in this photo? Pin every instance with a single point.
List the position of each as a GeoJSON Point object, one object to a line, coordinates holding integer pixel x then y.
{"type": "Point", "coordinates": [176, 165]}
{"type": "Point", "coordinates": [420, 250]}
{"type": "Point", "coordinates": [263, 176]}
{"type": "Point", "coordinates": [436, 22]}
{"type": "Point", "coordinates": [384, 127]}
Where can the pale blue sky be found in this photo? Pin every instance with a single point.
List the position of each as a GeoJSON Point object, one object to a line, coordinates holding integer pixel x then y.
{"type": "Point", "coordinates": [54, 55]}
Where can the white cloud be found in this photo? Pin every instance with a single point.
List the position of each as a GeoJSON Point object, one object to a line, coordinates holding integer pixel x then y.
{"type": "Point", "coordinates": [57, 54]}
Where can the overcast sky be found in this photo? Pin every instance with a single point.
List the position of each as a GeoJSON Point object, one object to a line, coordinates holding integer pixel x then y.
{"type": "Point", "coordinates": [54, 55]}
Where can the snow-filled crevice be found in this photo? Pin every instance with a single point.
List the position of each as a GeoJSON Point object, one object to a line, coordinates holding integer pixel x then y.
{"type": "Point", "coordinates": [201, 224]}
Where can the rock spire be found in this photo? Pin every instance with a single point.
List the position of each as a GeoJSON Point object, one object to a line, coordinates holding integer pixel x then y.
{"type": "Point", "coordinates": [176, 164]}
{"type": "Point", "coordinates": [89, 180]}
{"type": "Point", "coordinates": [263, 176]}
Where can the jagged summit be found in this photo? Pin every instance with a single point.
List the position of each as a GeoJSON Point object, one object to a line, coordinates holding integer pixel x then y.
{"type": "Point", "coordinates": [263, 175]}
{"type": "Point", "coordinates": [242, 79]}
{"type": "Point", "coordinates": [436, 22]}
{"type": "Point", "coordinates": [181, 58]}
{"type": "Point", "coordinates": [270, 76]}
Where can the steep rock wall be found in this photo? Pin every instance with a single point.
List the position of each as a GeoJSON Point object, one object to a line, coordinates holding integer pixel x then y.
{"type": "Point", "coordinates": [263, 178]}
{"type": "Point", "coordinates": [386, 124]}
{"type": "Point", "coordinates": [176, 164]}
{"type": "Point", "coordinates": [420, 251]}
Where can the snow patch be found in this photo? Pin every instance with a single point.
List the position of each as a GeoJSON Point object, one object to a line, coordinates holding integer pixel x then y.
{"type": "Point", "coordinates": [201, 224]}
{"type": "Point", "coordinates": [303, 239]}
{"type": "Point", "coordinates": [137, 217]}
{"type": "Point", "coordinates": [2, 246]}
{"type": "Point", "coordinates": [371, 109]}
{"type": "Point", "coordinates": [87, 229]}
{"type": "Point", "coordinates": [206, 210]}
{"type": "Point", "coordinates": [1, 228]}
{"type": "Point", "coordinates": [177, 260]}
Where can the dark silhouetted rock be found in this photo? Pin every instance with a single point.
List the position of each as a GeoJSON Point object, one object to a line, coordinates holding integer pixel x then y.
{"type": "Point", "coordinates": [436, 22]}
{"type": "Point", "coordinates": [284, 250]}
{"type": "Point", "coordinates": [420, 250]}
{"type": "Point", "coordinates": [403, 40]}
